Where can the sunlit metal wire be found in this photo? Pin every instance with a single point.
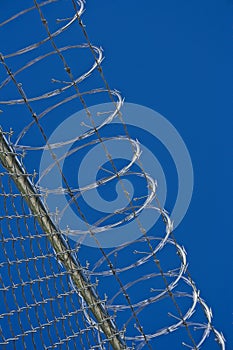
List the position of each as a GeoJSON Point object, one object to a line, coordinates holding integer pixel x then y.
{"type": "Point", "coordinates": [126, 310]}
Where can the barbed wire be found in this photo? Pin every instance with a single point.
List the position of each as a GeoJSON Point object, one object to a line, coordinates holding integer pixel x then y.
{"type": "Point", "coordinates": [135, 308]}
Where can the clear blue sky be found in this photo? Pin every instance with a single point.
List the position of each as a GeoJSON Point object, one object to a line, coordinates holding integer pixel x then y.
{"type": "Point", "coordinates": [176, 58]}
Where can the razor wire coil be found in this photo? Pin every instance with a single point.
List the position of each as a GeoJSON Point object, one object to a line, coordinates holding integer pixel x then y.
{"type": "Point", "coordinates": [133, 335]}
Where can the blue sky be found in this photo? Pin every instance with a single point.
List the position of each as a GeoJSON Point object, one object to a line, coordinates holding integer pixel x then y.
{"type": "Point", "coordinates": [176, 58]}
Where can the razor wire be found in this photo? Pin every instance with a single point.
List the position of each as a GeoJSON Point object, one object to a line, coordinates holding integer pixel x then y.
{"type": "Point", "coordinates": [142, 259]}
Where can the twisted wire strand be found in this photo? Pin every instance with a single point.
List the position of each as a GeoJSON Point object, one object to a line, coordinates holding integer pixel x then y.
{"type": "Point", "coordinates": [19, 87]}
{"type": "Point", "coordinates": [143, 338]}
{"type": "Point", "coordinates": [82, 100]}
